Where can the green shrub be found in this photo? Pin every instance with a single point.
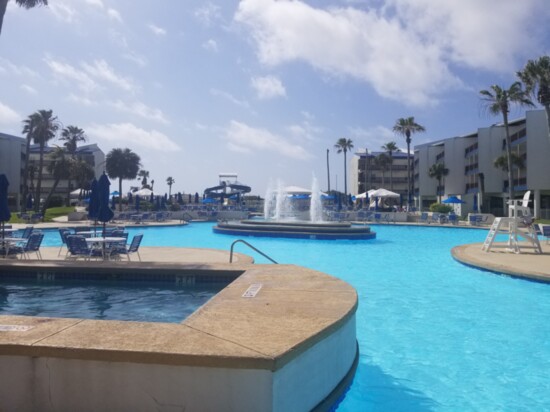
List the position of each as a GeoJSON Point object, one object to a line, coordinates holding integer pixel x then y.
{"type": "Point", "coordinates": [440, 208]}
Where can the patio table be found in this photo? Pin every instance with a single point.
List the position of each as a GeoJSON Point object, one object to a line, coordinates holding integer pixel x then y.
{"type": "Point", "coordinates": [103, 241]}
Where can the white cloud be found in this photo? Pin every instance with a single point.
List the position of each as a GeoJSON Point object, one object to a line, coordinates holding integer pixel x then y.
{"type": "Point", "coordinates": [96, 3]}
{"type": "Point", "coordinates": [374, 138]}
{"type": "Point", "coordinates": [208, 14]}
{"type": "Point", "coordinates": [101, 70]}
{"type": "Point", "coordinates": [230, 97]}
{"type": "Point", "coordinates": [8, 115]}
{"type": "Point", "coordinates": [28, 89]}
{"type": "Point", "coordinates": [129, 134]}
{"type": "Point", "coordinates": [7, 66]}
{"type": "Point", "coordinates": [66, 72]}
{"type": "Point", "coordinates": [84, 101]}
{"type": "Point", "coordinates": [63, 11]}
{"type": "Point", "coordinates": [114, 15]}
{"type": "Point", "coordinates": [136, 58]}
{"type": "Point", "coordinates": [142, 110]}
{"type": "Point", "coordinates": [268, 87]}
{"type": "Point", "coordinates": [405, 50]}
{"type": "Point", "coordinates": [159, 31]}
{"type": "Point", "coordinates": [246, 139]}
{"type": "Point", "coordinates": [210, 45]}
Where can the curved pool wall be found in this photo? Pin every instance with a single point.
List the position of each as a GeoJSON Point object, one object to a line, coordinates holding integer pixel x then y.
{"type": "Point", "coordinates": [287, 346]}
{"type": "Point", "coordinates": [295, 229]}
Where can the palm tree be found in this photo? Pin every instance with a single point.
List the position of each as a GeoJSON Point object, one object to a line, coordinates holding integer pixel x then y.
{"type": "Point", "coordinates": [23, 3]}
{"type": "Point", "coordinates": [28, 130]}
{"type": "Point", "coordinates": [407, 127]}
{"type": "Point", "coordinates": [536, 78]}
{"type": "Point", "coordinates": [122, 164]}
{"type": "Point", "coordinates": [143, 175]}
{"type": "Point", "coordinates": [344, 145]}
{"type": "Point", "coordinates": [82, 173]}
{"type": "Point", "coordinates": [44, 126]}
{"type": "Point", "coordinates": [498, 101]}
{"type": "Point", "coordinates": [59, 168]}
{"type": "Point", "coordinates": [71, 136]}
{"type": "Point", "coordinates": [382, 161]}
{"type": "Point", "coordinates": [391, 148]}
{"type": "Point", "coordinates": [170, 181]}
{"type": "Point", "coordinates": [438, 171]}
{"type": "Point", "coordinates": [501, 162]}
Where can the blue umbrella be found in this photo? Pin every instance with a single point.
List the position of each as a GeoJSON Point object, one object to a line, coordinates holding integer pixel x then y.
{"type": "Point", "coordinates": [163, 202]}
{"type": "Point", "coordinates": [129, 197]}
{"type": "Point", "coordinates": [104, 213]}
{"type": "Point", "coordinates": [93, 205]}
{"type": "Point", "coordinates": [152, 198]}
{"type": "Point", "coordinates": [475, 203]}
{"type": "Point", "coordinates": [157, 203]}
{"type": "Point", "coordinates": [5, 213]}
{"type": "Point", "coordinates": [453, 199]}
{"type": "Point", "coordinates": [137, 202]}
{"type": "Point", "coordinates": [180, 198]}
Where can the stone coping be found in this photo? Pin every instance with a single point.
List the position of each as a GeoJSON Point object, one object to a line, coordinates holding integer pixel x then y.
{"type": "Point", "coordinates": [295, 308]}
{"type": "Point", "coordinates": [527, 264]}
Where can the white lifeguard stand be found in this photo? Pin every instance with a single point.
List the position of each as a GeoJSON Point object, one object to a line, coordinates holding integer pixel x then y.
{"type": "Point", "coordinates": [517, 224]}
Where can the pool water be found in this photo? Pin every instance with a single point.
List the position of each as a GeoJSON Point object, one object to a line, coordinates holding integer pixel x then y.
{"type": "Point", "coordinates": [143, 302]}
{"type": "Point", "coordinates": [434, 335]}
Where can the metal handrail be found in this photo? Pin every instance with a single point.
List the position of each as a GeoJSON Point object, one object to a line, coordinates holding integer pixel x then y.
{"type": "Point", "coordinates": [251, 247]}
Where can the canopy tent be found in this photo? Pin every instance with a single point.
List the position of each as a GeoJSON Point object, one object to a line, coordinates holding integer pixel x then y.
{"type": "Point", "coordinates": [144, 192]}
{"type": "Point", "coordinates": [296, 190]}
{"type": "Point", "coordinates": [382, 193]}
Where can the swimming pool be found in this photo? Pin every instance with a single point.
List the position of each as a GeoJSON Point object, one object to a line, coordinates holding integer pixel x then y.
{"type": "Point", "coordinates": [433, 334]}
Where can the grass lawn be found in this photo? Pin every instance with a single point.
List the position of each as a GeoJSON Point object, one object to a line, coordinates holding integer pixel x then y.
{"type": "Point", "coordinates": [50, 214]}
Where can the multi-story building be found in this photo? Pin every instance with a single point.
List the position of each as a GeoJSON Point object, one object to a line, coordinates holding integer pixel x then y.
{"type": "Point", "coordinates": [12, 161]}
{"type": "Point", "coordinates": [90, 153]}
{"type": "Point", "coordinates": [474, 178]}
{"type": "Point", "coordinates": [369, 170]}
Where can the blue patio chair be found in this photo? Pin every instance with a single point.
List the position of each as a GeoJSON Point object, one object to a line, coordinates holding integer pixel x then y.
{"type": "Point", "coordinates": [435, 217]}
{"type": "Point", "coordinates": [63, 232]}
{"type": "Point", "coordinates": [78, 248]}
{"type": "Point", "coordinates": [117, 251]}
{"type": "Point", "coordinates": [31, 246]}
{"type": "Point", "coordinates": [452, 218]}
{"type": "Point", "coordinates": [27, 232]}
{"type": "Point", "coordinates": [424, 218]}
{"type": "Point", "coordinates": [546, 232]}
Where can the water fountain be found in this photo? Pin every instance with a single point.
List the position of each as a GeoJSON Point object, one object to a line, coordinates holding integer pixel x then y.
{"type": "Point", "coordinates": [282, 220]}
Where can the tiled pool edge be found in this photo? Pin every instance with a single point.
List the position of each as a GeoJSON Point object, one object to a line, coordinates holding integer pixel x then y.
{"type": "Point", "coordinates": [299, 318]}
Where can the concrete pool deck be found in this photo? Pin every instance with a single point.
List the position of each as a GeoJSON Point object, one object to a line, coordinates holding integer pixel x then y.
{"type": "Point", "coordinates": [267, 341]}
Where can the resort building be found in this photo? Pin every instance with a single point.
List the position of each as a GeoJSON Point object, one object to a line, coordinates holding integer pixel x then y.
{"type": "Point", "coordinates": [90, 153]}
{"type": "Point", "coordinates": [13, 158]}
{"type": "Point", "coordinates": [12, 162]}
{"type": "Point", "coordinates": [375, 170]}
{"type": "Point", "coordinates": [472, 176]}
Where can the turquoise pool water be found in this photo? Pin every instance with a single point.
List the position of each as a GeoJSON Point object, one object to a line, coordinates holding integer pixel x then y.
{"type": "Point", "coordinates": [434, 335]}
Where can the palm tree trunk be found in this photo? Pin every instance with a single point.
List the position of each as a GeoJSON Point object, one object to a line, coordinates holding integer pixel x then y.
{"type": "Point", "coordinates": [345, 176]}
{"type": "Point", "coordinates": [52, 190]}
{"type": "Point", "coordinates": [39, 183]}
{"type": "Point", "coordinates": [26, 168]}
{"type": "Point", "coordinates": [547, 109]}
{"type": "Point", "coordinates": [328, 171]}
{"type": "Point", "coordinates": [408, 172]}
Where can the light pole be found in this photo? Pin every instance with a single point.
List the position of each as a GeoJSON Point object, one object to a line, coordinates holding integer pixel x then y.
{"type": "Point", "coordinates": [366, 169]}
{"type": "Point", "coordinates": [328, 171]}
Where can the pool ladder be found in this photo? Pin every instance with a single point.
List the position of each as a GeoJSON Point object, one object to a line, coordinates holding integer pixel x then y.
{"type": "Point", "coordinates": [251, 247]}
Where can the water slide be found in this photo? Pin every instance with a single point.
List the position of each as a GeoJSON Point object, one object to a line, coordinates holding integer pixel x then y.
{"type": "Point", "coordinates": [225, 190]}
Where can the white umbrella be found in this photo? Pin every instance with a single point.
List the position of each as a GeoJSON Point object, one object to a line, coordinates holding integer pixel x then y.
{"type": "Point", "coordinates": [143, 192]}
{"type": "Point", "coordinates": [296, 190]}
{"type": "Point", "coordinates": [382, 193]}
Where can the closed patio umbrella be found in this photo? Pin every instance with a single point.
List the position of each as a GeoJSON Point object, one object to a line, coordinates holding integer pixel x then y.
{"type": "Point", "coordinates": [5, 213]}
{"type": "Point", "coordinates": [104, 213]}
{"type": "Point", "coordinates": [138, 199]}
{"type": "Point", "coordinates": [29, 202]}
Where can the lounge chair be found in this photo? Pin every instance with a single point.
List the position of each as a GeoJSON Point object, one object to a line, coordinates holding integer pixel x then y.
{"type": "Point", "coordinates": [546, 232]}
{"type": "Point", "coordinates": [25, 234]}
{"type": "Point", "coordinates": [435, 217]}
{"type": "Point", "coordinates": [423, 218]}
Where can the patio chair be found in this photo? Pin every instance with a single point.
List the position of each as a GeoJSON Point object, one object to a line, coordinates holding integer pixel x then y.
{"type": "Point", "coordinates": [78, 248]}
{"type": "Point", "coordinates": [63, 232]}
{"type": "Point", "coordinates": [424, 218]}
{"type": "Point", "coordinates": [452, 218]}
{"type": "Point", "coordinates": [435, 217]}
{"type": "Point", "coordinates": [25, 234]}
{"type": "Point", "coordinates": [31, 246]}
{"type": "Point", "coordinates": [133, 248]}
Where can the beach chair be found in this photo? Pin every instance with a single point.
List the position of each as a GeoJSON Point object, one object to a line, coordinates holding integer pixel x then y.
{"type": "Point", "coordinates": [545, 230]}
{"type": "Point", "coordinates": [435, 218]}
{"type": "Point", "coordinates": [25, 234]}
{"type": "Point", "coordinates": [423, 218]}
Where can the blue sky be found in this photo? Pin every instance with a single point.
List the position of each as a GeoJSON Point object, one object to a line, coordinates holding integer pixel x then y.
{"type": "Point", "coordinates": [261, 88]}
